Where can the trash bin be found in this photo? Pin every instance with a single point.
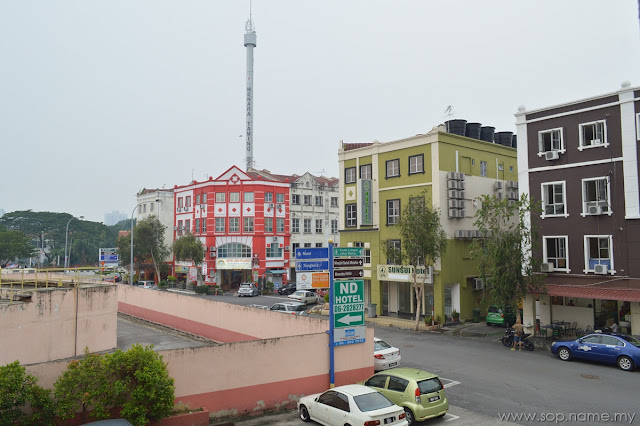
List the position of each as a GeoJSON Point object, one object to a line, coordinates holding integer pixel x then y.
{"type": "Point", "coordinates": [476, 315]}
{"type": "Point", "coordinates": [371, 312]}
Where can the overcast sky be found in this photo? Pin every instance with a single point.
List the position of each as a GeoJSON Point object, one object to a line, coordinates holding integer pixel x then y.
{"type": "Point", "coordinates": [99, 99]}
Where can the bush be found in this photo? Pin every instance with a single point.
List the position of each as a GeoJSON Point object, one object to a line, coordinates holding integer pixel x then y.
{"type": "Point", "coordinates": [202, 289]}
{"type": "Point", "coordinates": [18, 389]}
{"type": "Point", "coordinates": [163, 284]}
{"type": "Point", "coordinates": [214, 289]}
{"type": "Point", "coordinates": [326, 298]}
{"type": "Point", "coordinates": [172, 279]}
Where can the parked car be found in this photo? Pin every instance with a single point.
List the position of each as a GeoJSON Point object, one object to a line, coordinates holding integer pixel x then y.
{"type": "Point", "coordinates": [609, 348]}
{"type": "Point", "coordinates": [247, 289]}
{"type": "Point", "coordinates": [148, 284]}
{"type": "Point", "coordinates": [293, 308]}
{"type": "Point", "coordinates": [352, 405]}
{"type": "Point", "coordinates": [385, 356]}
{"type": "Point", "coordinates": [418, 392]}
{"type": "Point", "coordinates": [287, 289]}
{"type": "Point", "coordinates": [304, 296]}
{"type": "Point", "coordinates": [501, 315]}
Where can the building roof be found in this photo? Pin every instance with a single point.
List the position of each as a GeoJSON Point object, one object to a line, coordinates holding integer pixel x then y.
{"type": "Point", "coordinates": [353, 145]}
{"type": "Point", "coordinates": [600, 293]}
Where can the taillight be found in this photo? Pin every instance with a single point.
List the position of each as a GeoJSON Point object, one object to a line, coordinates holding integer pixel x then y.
{"type": "Point", "coordinates": [379, 356]}
{"type": "Point", "coordinates": [502, 316]}
{"type": "Point", "coordinates": [417, 393]}
{"type": "Point", "coordinates": [372, 423]}
{"type": "Point", "coordinates": [402, 416]}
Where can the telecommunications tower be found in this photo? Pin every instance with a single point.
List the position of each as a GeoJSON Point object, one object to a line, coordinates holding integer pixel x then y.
{"type": "Point", "coordinates": [249, 43]}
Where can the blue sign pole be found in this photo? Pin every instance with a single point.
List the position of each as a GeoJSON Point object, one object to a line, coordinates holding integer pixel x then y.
{"type": "Point", "coordinates": [332, 378]}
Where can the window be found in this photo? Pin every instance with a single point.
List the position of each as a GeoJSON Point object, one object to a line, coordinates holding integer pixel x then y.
{"type": "Point", "coordinates": [393, 168]}
{"type": "Point", "coordinates": [394, 252]}
{"type": "Point", "coordinates": [187, 226]}
{"type": "Point", "coordinates": [350, 175]}
{"type": "Point", "coordinates": [365, 171]}
{"type": "Point", "coordinates": [280, 198]}
{"type": "Point", "coordinates": [234, 224]}
{"type": "Point", "coordinates": [367, 252]}
{"type": "Point", "coordinates": [598, 251]}
{"type": "Point", "coordinates": [234, 250]}
{"type": "Point", "coordinates": [393, 211]}
{"type": "Point", "coordinates": [307, 226]}
{"type": "Point", "coordinates": [593, 134]}
{"type": "Point", "coordinates": [274, 251]}
{"type": "Point", "coordinates": [197, 226]}
{"type": "Point", "coordinates": [187, 201]}
{"type": "Point", "coordinates": [397, 384]}
{"type": "Point", "coordinates": [220, 197]}
{"type": "Point", "coordinates": [319, 226]}
{"type": "Point", "coordinates": [248, 224]}
{"type": "Point", "coordinates": [180, 228]}
{"type": "Point", "coordinates": [295, 199]}
{"type": "Point", "coordinates": [280, 224]}
{"type": "Point", "coordinates": [220, 225]}
{"type": "Point", "coordinates": [334, 226]}
{"type": "Point", "coordinates": [151, 207]}
{"type": "Point", "coordinates": [334, 201]}
{"type": "Point", "coordinates": [295, 225]}
{"type": "Point", "coordinates": [307, 200]}
{"type": "Point", "coordinates": [550, 140]}
{"type": "Point", "coordinates": [377, 381]}
{"type": "Point", "coordinates": [341, 402]}
{"type": "Point", "coordinates": [555, 252]}
{"type": "Point", "coordinates": [318, 244]}
{"type": "Point", "coordinates": [511, 169]}
{"type": "Point", "coordinates": [248, 197]}
{"type": "Point", "coordinates": [351, 215]}
{"type": "Point", "coordinates": [268, 197]}
{"type": "Point", "coordinates": [553, 199]}
{"type": "Point", "coordinates": [483, 168]}
{"type": "Point", "coordinates": [180, 200]}
{"type": "Point", "coordinates": [204, 225]}
{"type": "Point", "coordinates": [234, 197]}
{"type": "Point", "coordinates": [268, 224]}
{"type": "Point", "coordinates": [204, 198]}
{"type": "Point", "coordinates": [307, 245]}
{"type": "Point", "coordinates": [295, 246]}
{"type": "Point", "coordinates": [416, 164]}
{"type": "Point", "coordinates": [318, 200]}
{"type": "Point", "coordinates": [144, 208]}
{"type": "Point", "coordinates": [595, 196]}
{"type": "Point", "coordinates": [198, 199]}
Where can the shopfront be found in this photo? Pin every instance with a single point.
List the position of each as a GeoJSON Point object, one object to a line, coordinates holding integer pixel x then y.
{"type": "Point", "coordinates": [398, 294]}
{"type": "Point", "coordinates": [234, 271]}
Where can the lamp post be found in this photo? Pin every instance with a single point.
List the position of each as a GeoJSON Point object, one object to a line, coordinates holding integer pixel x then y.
{"type": "Point", "coordinates": [131, 259]}
{"type": "Point", "coordinates": [66, 238]}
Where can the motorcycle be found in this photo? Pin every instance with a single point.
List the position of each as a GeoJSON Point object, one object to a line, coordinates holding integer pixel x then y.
{"type": "Point", "coordinates": [508, 338]}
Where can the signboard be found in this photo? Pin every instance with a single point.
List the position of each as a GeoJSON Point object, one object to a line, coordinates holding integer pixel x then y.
{"type": "Point", "coordinates": [308, 280]}
{"type": "Point", "coordinates": [312, 253]}
{"type": "Point", "coordinates": [312, 265]}
{"type": "Point", "coordinates": [366, 202]}
{"type": "Point", "coordinates": [348, 251]}
{"type": "Point", "coordinates": [193, 274]}
{"type": "Point", "coordinates": [108, 255]}
{"type": "Point", "coordinates": [346, 263]}
{"type": "Point", "coordinates": [347, 273]}
{"type": "Point", "coordinates": [404, 273]}
{"type": "Point", "coordinates": [348, 303]}
{"type": "Point", "coordinates": [233, 263]}
{"type": "Point", "coordinates": [349, 335]}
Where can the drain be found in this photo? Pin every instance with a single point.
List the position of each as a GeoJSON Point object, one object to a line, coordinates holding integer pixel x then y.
{"type": "Point", "coordinates": [589, 376]}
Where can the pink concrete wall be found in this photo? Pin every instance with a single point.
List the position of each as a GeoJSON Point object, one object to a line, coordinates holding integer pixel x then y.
{"type": "Point", "coordinates": [47, 328]}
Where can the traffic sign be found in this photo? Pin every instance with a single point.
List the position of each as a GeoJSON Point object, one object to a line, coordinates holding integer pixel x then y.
{"type": "Point", "coordinates": [348, 251]}
{"type": "Point", "coordinates": [348, 303]}
{"type": "Point", "coordinates": [312, 253]}
{"type": "Point", "coordinates": [349, 335]}
{"type": "Point", "coordinates": [312, 265]}
{"type": "Point", "coordinates": [348, 262]}
{"type": "Point", "coordinates": [347, 273]}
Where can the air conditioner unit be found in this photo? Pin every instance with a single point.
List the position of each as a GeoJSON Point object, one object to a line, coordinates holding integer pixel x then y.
{"type": "Point", "coordinates": [287, 248]}
{"type": "Point", "coordinates": [463, 213]}
{"type": "Point", "coordinates": [512, 195]}
{"type": "Point", "coordinates": [453, 212]}
{"type": "Point", "coordinates": [478, 284]}
{"type": "Point", "coordinates": [459, 233]}
{"type": "Point", "coordinates": [594, 210]}
{"type": "Point", "coordinates": [500, 195]}
{"type": "Point", "coordinates": [546, 267]}
{"type": "Point", "coordinates": [270, 205]}
{"type": "Point", "coordinates": [453, 204]}
{"type": "Point", "coordinates": [186, 208]}
{"type": "Point", "coordinates": [468, 234]}
{"type": "Point", "coordinates": [460, 176]}
{"type": "Point", "coordinates": [600, 269]}
{"type": "Point", "coordinates": [462, 204]}
{"type": "Point", "coordinates": [452, 184]}
{"type": "Point", "coordinates": [461, 195]}
{"type": "Point", "coordinates": [551, 155]}
{"type": "Point", "coordinates": [477, 234]}
{"type": "Point", "coordinates": [451, 175]}
{"type": "Point", "coordinates": [512, 184]}
{"type": "Point", "coordinates": [179, 209]}
{"type": "Point", "coordinates": [497, 186]}
{"type": "Point", "coordinates": [452, 193]}
{"type": "Point", "coordinates": [461, 185]}
{"type": "Point", "coordinates": [279, 206]}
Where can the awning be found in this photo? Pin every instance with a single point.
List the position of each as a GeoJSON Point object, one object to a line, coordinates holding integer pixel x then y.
{"type": "Point", "coordinates": [276, 271]}
{"type": "Point", "coordinates": [592, 292]}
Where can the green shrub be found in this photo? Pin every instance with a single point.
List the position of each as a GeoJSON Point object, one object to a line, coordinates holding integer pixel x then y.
{"type": "Point", "coordinates": [16, 388]}
{"type": "Point", "coordinates": [163, 284]}
{"type": "Point", "coordinates": [171, 279]}
{"type": "Point", "coordinates": [326, 298]}
{"type": "Point", "coordinates": [202, 289]}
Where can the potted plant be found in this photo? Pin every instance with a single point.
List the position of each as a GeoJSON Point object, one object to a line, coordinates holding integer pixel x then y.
{"type": "Point", "coordinates": [455, 315]}
{"type": "Point", "coordinates": [172, 281]}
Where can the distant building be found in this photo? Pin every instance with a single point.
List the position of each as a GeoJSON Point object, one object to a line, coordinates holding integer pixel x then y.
{"type": "Point", "coordinates": [2, 212]}
{"type": "Point", "coordinates": [159, 203]}
{"type": "Point", "coordinates": [114, 217]}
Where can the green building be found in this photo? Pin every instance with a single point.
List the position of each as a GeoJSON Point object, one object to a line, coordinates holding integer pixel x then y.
{"type": "Point", "coordinates": [377, 181]}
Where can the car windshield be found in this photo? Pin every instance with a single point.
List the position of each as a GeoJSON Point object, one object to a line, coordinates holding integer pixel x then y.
{"type": "Point", "coordinates": [297, 308]}
{"type": "Point", "coordinates": [372, 401]}
{"type": "Point", "coordinates": [635, 342]}
{"type": "Point", "coordinates": [494, 310]}
{"type": "Point", "coordinates": [429, 385]}
{"type": "Point", "coordinates": [299, 293]}
{"type": "Point", "coordinates": [380, 345]}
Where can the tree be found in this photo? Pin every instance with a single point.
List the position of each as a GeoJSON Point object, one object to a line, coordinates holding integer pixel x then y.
{"type": "Point", "coordinates": [423, 242]}
{"type": "Point", "coordinates": [18, 389]}
{"type": "Point", "coordinates": [14, 244]}
{"type": "Point", "coordinates": [504, 256]}
{"type": "Point", "coordinates": [148, 242]}
{"type": "Point", "coordinates": [189, 248]}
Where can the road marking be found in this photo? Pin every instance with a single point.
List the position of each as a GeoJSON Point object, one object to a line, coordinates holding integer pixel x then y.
{"type": "Point", "coordinates": [450, 417]}
{"type": "Point", "coordinates": [450, 382]}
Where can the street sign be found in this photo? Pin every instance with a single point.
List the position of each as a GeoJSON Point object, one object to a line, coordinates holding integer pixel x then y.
{"type": "Point", "coordinates": [312, 265]}
{"type": "Point", "coordinates": [348, 251]}
{"type": "Point", "coordinates": [346, 263]}
{"type": "Point", "coordinates": [348, 303]}
{"type": "Point", "coordinates": [347, 273]}
{"type": "Point", "coordinates": [349, 335]}
{"type": "Point", "coordinates": [108, 256]}
{"type": "Point", "coordinates": [312, 253]}
{"type": "Point", "coordinates": [308, 280]}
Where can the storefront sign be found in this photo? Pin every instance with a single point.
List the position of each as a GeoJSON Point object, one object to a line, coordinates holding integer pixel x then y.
{"type": "Point", "coordinates": [348, 336]}
{"type": "Point", "coordinates": [228, 263]}
{"type": "Point", "coordinates": [366, 202]}
{"type": "Point", "coordinates": [193, 274]}
{"type": "Point", "coordinates": [308, 280]}
{"type": "Point", "coordinates": [404, 273]}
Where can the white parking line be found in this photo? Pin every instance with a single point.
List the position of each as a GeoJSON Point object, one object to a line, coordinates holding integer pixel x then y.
{"type": "Point", "coordinates": [449, 382]}
{"type": "Point", "coordinates": [449, 417]}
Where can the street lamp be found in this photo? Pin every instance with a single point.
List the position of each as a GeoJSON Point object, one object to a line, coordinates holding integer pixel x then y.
{"type": "Point", "coordinates": [66, 237]}
{"type": "Point", "coordinates": [131, 259]}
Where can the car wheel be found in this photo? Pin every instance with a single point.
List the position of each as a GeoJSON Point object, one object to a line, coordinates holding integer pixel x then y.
{"type": "Point", "coordinates": [564, 354]}
{"type": "Point", "coordinates": [409, 416]}
{"type": "Point", "coordinates": [304, 414]}
{"type": "Point", "coordinates": [625, 363]}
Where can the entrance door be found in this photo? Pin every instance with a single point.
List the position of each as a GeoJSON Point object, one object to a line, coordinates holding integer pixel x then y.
{"type": "Point", "coordinates": [404, 298]}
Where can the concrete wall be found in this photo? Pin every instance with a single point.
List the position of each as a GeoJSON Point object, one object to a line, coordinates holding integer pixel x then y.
{"type": "Point", "coordinates": [56, 324]}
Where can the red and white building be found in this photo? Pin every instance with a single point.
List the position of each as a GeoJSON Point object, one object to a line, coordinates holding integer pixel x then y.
{"type": "Point", "coordinates": [242, 219]}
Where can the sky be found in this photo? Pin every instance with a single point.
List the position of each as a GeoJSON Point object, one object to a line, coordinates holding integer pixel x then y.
{"type": "Point", "coordinates": [100, 99]}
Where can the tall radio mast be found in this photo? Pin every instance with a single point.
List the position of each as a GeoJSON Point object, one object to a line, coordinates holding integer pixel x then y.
{"type": "Point", "coordinates": [249, 43]}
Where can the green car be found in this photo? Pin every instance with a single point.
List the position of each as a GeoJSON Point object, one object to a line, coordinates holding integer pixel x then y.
{"type": "Point", "coordinates": [419, 392]}
{"type": "Point", "coordinates": [500, 315]}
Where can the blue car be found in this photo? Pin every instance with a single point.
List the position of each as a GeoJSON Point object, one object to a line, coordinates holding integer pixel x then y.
{"type": "Point", "coordinates": [609, 348]}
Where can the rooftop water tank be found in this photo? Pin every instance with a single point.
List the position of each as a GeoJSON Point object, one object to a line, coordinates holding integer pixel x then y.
{"type": "Point", "coordinates": [473, 130]}
{"type": "Point", "coordinates": [457, 127]}
{"type": "Point", "coordinates": [486, 133]}
{"type": "Point", "coordinates": [503, 138]}
{"type": "Point", "coordinates": [514, 141]}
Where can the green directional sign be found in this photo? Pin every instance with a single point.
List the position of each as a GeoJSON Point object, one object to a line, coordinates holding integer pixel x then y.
{"type": "Point", "coordinates": [348, 251]}
{"type": "Point", "coordinates": [348, 303]}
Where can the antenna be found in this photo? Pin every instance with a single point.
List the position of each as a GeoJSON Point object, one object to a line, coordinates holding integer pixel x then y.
{"type": "Point", "coordinates": [249, 43]}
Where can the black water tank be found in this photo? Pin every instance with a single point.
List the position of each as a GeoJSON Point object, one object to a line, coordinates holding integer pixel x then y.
{"type": "Point", "coordinates": [514, 141]}
{"type": "Point", "coordinates": [473, 130]}
{"type": "Point", "coordinates": [486, 133]}
{"type": "Point", "coordinates": [457, 127]}
{"type": "Point", "coordinates": [503, 138]}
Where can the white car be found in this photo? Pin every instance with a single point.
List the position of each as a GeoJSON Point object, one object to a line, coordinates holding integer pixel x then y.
{"type": "Point", "coordinates": [384, 355]}
{"type": "Point", "coordinates": [350, 404]}
{"type": "Point", "coordinates": [247, 290]}
{"type": "Point", "coordinates": [303, 296]}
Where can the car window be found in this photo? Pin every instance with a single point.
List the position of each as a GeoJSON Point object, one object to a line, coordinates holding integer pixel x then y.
{"type": "Point", "coordinates": [377, 381]}
{"type": "Point", "coordinates": [429, 385]}
{"type": "Point", "coordinates": [635, 342]}
{"type": "Point", "coordinates": [372, 401]}
{"type": "Point", "coordinates": [592, 339]}
{"type": "Point", "coordinates": [341, 402]}
{"type": "Point", "coordinates": [494, 309]}
{"type": "Point", "coordinates": [327, 398]}
{"type": "Point", "coordinates": [276, 307]}
{"type": "Point", "coordinates": [380, 345]}
{"type": "Point", "coordinates": [297, 308]}
{"type": "Point", "coordinates": [397, 384]}
{"type": "Point", "coordinates": [610, 340]}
